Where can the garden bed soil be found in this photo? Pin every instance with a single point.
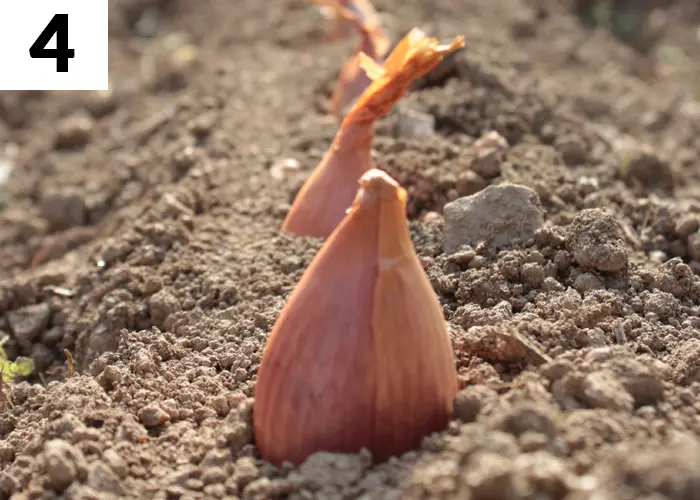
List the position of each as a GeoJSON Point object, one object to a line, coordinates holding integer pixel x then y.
{"type": "Point", "coordinates": [139, 232]}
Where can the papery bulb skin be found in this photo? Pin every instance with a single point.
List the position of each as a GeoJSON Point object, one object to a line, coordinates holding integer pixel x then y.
{"type": "Point", "coordinates": [360, 355]}
{"type": "Point", "coordinates": [414, 56]}
{"type": "Point", "coordinates": [321, 203]}
{"type": "Point", "coordinates": [342, 25]}
{"type": "Point", "coordinates": [352, 80]}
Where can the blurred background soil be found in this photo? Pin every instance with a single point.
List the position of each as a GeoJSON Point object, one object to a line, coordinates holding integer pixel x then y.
{"type": "Point", "coordinates": [139, 231]}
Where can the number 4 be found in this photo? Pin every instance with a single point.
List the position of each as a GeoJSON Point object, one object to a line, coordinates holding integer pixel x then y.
{"type": "Point", "coordinates": [59, 26]}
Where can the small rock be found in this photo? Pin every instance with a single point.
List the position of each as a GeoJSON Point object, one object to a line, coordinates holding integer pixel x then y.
{"type": "Point", "coordinates": [202, 413]}
{"type": "Point", "coordinates": [469, 183]}
{"type": "Point", "coordinates": [101, 103]}
{"type": "Point", "coordinates": [162, 304]}
{"type": "Point", "coordinates": [478, 262]}
{"type": "Point", "coordinates": [194, 484]}
{"type": "Point", "coordinates": [463, 257]}
{"type": "Point", "coordinates": [651, 172]}
{"type": "Point", "coordinates": [152, 415]}
{"type": "Point", "coordinates": [216, 458]}
{"type": "Point", "coordinates": [281, 168]}
{"type": "Point", "coordinates": [572, 150]}
{"type": "Point", "coordinates": [63, 462]}
{"type": "Point", "coordinates": [662, 304]}
{"type": "Point", "coordinates": [497, 215]}
{"type": "Point", "coordinates": [220, 405]}
{"type": "Point", "coordinates": [334, 469]}
{"type": "Point", "coordinates": [492, 140]}
{"type": "Point", "coordinates": [471, 400]}
{"type": "Point", "coordinates": [74, 132]}
{"type": "Point", "coordinates": [644, 381]}
{"type": "Point", "coordinates": [601, 389]}
{"type": "Point", "coordinates": [414, 123]}
{"type": "Point", "coordinates": [552, 285]}
{"type": "Point", "coordinates": [597, 241]}
{"type": "Point", "coordinates": [532, 274]}
{"type": "Point", "coordinates": [528, 417]}
{"type": "Point", "coordinates": [487, 163]}
{"type": "Point", "coordinates": [202, 125]}
{"type": "Point", "coordinates": [431, 217]}
{"type": "Point", "coordinates": [101, 478]}
{"type": "Point", "coordinates": [115, 462]}
{"type": "Point", "coordinates": [557, 369]}
{"type": "Point", "coordinates": [27, 323]}
{"type": "Point", "coordinates": [585, 282]}
{"type": "Point", "coordinates": [687, 226]}
{"type": "Point", "coordinates": [63, 208]}
{"type": "Point", "coordinates": [587, 184]}
{"type": "Point", "coordinates": [214, 475]}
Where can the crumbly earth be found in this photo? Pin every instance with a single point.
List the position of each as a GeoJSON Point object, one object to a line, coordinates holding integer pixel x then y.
{"type": "Point", "coordinates": [139, 232]}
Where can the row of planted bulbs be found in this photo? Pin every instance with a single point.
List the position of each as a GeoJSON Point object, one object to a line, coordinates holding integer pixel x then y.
{"type": "Point", "coordinates": [360, 356]}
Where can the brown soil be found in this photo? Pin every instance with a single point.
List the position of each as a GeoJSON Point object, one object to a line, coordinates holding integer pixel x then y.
{"type": "Point", "coordinates": [139, 231]}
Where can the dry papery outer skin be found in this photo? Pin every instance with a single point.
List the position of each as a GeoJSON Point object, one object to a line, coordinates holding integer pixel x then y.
{"type": "Point", "coordinates": [326, 195]}
{"type": "Point", "coordinates": [342, 26]}
{"type": "Point", "coordinates": [360, 355]}
{"type": "Point", "coordinates": [353, 80]}
{"type": "Point", "coordinates": [360, 17]}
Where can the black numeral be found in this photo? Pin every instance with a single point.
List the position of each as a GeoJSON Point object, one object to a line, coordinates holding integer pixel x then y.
{"type": "Point", "coordinates": [59, 26]}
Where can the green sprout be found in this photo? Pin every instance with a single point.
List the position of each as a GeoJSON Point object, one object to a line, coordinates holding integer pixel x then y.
{"type": "Point", "coordinates": [10, 370]}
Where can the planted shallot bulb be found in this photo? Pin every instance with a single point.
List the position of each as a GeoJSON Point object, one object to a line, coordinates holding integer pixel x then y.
{"type": "Point", "coordinates": [353, 80]}
{"type": "Point", "coordinates": [360, 355]}
{"type": "Point", "coordinates": [324, 198]}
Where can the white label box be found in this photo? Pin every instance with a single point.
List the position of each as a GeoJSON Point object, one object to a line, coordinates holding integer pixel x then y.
{"type": "Point", "coordinates": [54, 45]}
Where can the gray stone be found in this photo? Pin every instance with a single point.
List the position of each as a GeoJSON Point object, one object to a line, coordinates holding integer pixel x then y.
{"type": "Point", "coordinates": [101, 478]}
{"type": "Point", "coordinates": [414, 123]}
{"type": "Point", "coordinates": [63, 463]}
{"type": "Point", "coordinates": [64, 208]}
{"type": "Point", "coordinates": [498, 216]}
{"type": "Point", "coordinates": [28, 322]}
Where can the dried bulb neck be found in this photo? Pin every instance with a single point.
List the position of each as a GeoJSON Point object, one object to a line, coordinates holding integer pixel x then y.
{"type": "Point", "coordinates": [355, 136]}
{"type": "Point", "coordinates": [380, 102]}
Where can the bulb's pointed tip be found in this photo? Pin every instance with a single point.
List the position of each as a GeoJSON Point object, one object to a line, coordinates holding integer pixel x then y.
{"type": "Point", "coordinates": [377, 179]}
{"type": "Point", "coordinates": [377, 185]}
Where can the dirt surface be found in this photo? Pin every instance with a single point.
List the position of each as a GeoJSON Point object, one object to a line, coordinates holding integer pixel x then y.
{"type": "Point", "coordinates": [139, 231]}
